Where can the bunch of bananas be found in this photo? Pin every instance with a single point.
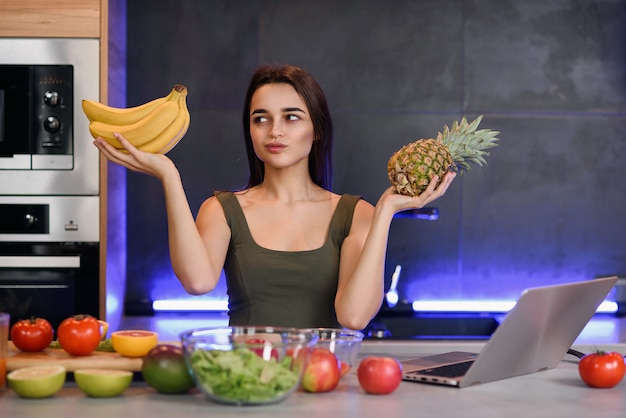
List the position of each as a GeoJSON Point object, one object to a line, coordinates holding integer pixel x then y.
{"type": "Point", "coordinates": [156, 126]}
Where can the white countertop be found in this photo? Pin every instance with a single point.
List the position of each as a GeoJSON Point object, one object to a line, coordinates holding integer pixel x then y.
{"type": "Point", "coordinates": [553, 393]}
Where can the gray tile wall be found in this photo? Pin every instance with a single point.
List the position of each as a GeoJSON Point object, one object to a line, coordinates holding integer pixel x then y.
{"type": "Point", "coordinates": [550, 75]}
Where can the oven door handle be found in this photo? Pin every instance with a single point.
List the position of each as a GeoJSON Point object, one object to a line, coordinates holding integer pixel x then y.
{"type": "Point", "coordinates": [39, 261]}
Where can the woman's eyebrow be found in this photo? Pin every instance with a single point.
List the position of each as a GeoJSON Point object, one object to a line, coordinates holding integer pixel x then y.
{"type": "Point", "coordinates": [284, 110]}
{"type": "Point", "coordinates": [293, 109]}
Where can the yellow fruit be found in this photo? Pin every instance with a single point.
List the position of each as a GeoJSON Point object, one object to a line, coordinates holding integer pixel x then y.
{"type": "Point", "coordinates": [140, 132]}
{"type": "Point", "coordinates": [103, 383]}
{"type": "Point", "coordinates": [171, 135]}
{"type": "Point", "coordinates": [157, 132]}
{"type": "Point", "coordinates": [134, 343]}
{"type": "Point", "coordinates": [37, 381]}
{"type": "Point", "coordinates": [122, 116]}
{"type": "Point", "coordinates": [178, 137]}
{"type": "Point", "coordinates": [411, 168]}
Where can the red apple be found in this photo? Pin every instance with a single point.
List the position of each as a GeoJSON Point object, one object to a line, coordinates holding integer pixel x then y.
{"type": "Point", "coordinates": [322, 372]}
{"type": "Point", "coordinates": [379, 375]}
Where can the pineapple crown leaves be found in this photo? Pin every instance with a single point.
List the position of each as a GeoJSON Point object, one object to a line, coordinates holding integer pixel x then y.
{"type": "Point", "coordinates": [466, 144]}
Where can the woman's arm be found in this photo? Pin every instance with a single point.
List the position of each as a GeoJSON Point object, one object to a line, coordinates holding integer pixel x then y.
{"type": "Point", "coordinates": [361, 271]}
{"type": "Point", "coordinates": [197, 262]}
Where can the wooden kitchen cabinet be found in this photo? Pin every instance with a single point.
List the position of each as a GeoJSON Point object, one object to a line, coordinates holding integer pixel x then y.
{"type": "Point", "coordinates": [54, 19]}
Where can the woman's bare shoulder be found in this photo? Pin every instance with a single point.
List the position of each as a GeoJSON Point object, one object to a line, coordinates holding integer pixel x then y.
{"type": "Point", "coordinates": [210, 205]}
{"type": "Point", "coordinates": [364, 207]}
{"type": "Point", "coordinates": [211, 212]}
{"type": "Point", "coordinates": [363, 214]}
{"type": "Point", "coordinates": [210, 200]}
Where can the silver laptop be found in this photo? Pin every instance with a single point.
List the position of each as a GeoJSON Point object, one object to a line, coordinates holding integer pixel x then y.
{"type": "Point", "coordinates": [534, 336]}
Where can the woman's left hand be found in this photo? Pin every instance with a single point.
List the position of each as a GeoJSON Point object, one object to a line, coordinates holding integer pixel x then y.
{"type": "Point", "coordinates": [433, 192]}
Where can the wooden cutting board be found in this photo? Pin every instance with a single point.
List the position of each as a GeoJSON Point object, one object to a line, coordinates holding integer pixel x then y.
{"type": "Point", "coordinates": [56, 356]}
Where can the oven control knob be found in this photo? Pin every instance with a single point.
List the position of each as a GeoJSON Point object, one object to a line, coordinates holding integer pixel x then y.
{"type": "Point", "coordinates": [52, 124]}
{"type": "Point", "coordinates": [52, 98]}
{"type": "Point", "coordinates": [31, 219]}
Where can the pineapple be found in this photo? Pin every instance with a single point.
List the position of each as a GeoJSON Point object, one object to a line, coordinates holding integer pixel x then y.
{"type": "Point", "coordinates": [412, 166]}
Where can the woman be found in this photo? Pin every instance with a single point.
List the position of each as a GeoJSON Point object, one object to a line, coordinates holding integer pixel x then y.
{"type": "Point", "coordinates": [294, 253]}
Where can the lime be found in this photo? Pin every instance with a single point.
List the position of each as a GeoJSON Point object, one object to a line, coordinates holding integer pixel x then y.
{"type": "Point", "coordinates": [102, 383]}
{"type": "Point", "coordinates": [134, 343]}
{"type": "Point", "coordinates": [37, 381]}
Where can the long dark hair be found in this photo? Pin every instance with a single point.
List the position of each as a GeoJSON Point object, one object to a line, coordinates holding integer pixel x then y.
{"type": "Point", "coordinates": [320, 158]}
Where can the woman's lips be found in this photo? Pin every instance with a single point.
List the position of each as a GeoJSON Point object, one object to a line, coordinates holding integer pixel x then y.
{"type": "Point", "coordinates": [275, 148]}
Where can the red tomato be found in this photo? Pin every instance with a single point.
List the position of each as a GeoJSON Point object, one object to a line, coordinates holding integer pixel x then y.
{"type": "Point", "coordinates": [345, 368]}
{"type": "Point", "coordinates": [262, 348]}
{"type": "Point", "coordinates": [602, 370]}
{"type": "Point", "coordinates": [322, 372]}
{"type": "Point", "coordinates": [379, 375]}
{"type": "Point", "coordinates": [34, 334]}
{"type": "Point", "coordinates": [80, 335]}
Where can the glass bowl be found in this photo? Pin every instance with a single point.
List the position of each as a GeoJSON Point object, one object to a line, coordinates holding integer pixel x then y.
{"type": "Point", "coordinates": [344, 343]}
{"type": "Point", "coordinates": [247, 365]}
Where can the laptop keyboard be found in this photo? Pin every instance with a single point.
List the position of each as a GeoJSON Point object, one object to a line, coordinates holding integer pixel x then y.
{"type": "Point", "coordinates": [449, 370]}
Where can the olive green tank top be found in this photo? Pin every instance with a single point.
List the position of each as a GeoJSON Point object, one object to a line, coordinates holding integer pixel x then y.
{"type": "Point", "coordinates": [283, 288]}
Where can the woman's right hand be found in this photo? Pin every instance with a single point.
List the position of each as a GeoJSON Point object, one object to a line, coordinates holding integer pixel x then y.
{"type": "Point", "coordinates": [156, 165]}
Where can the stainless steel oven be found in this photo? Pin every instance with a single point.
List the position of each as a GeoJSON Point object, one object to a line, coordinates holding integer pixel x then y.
{"type": "Point", "coordinates": [49, 280]}
{"type": "Point", "coordinates": [49, 178]}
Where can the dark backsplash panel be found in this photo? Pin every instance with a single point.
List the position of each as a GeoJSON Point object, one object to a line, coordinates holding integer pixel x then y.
{"type": "Point", "coordinates": [549, 207]}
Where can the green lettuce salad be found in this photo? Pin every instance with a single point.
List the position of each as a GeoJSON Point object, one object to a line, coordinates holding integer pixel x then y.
{"type": "Point", "coordinates": [241, 376]}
